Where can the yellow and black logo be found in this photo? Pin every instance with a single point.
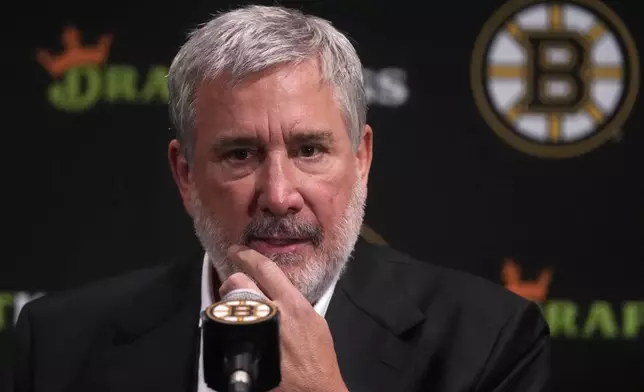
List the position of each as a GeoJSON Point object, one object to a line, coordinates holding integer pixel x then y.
{"type": "Point", "coordinates": [555, 79]}
{"type": "Point", "coordinates": [241, 311]}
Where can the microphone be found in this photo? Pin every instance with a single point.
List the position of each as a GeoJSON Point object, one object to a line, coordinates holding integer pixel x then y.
{"type": "Point", "coordinates": [241, 350]}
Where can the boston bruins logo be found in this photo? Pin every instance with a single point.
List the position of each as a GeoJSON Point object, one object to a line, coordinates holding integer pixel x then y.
{"type": "Point", "coordinates": [241, 311]}
{"type": "Point", "coordinates": [555, 79]}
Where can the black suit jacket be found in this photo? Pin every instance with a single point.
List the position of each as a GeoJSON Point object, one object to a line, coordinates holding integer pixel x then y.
{"type": "Point", "coordinates": [398, 325]}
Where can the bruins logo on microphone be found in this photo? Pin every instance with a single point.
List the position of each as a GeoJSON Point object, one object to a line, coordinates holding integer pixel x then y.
{"type": "Point", "coordinates": [241, 311]}
{"type": "Point", "coordinates": [555, 79]}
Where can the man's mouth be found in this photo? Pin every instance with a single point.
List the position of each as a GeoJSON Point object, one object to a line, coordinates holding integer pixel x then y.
{"type": "Point", "coordinates": [276, 244]}
{"type": "Point", "coordinates": [279, 240]}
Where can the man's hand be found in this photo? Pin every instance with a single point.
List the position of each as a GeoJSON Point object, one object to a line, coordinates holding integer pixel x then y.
{"type": "Point", "coordinates": [309, 362]}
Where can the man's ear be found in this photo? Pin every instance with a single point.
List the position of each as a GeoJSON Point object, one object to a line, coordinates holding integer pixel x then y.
{"type": "Point", "coordinates": [365, 153]}
{"type": "Point", "coordinates": [181, 173]}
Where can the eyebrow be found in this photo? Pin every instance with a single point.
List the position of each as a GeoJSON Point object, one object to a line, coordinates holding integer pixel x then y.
{"type": "Point", "coordinates": [298, 137]}
{"type": "Point", "coordinates": [232, 142]}
{"type": "Point", "coordinates": [310, 136]}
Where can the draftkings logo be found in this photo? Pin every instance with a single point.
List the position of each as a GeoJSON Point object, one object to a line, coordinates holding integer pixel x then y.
{"type": "Point", "coordinates": [82, 76]}
{"type": "Point", "coordinates": [555, 79]}
{"type": "Point", "coordinates": [570, 319]}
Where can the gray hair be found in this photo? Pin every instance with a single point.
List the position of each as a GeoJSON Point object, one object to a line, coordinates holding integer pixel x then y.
{"type": "Point", "coordinates": [238, 43]}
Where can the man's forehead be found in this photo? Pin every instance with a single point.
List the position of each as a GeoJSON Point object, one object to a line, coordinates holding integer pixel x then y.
{"type": "Point", "coordinates": [266, 115]}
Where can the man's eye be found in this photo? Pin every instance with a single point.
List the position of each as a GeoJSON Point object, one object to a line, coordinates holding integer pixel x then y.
{"type": "Point", "coordinates": [309, 151]}
{"type": "Point", "coordinates": [240, 154]}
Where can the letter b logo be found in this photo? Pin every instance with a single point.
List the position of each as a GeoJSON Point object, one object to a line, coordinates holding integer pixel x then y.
{"type": "Point", "coordinates": [555, 79]}
{"type": "Point", "coordinates": [555, 74]}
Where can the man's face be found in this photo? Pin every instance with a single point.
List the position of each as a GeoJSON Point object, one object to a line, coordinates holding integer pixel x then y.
{"type": "Point", "coordinates": [274, 170]}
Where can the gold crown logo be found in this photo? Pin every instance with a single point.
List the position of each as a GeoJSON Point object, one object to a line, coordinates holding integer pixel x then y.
{"type": "Point", "coordinates": [536, 290]}
{"type": "Point", "coordinates": [75, 53]}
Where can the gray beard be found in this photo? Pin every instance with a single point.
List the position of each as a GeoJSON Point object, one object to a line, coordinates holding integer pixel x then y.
{"type": "Point", "coordinates": [311, 275]}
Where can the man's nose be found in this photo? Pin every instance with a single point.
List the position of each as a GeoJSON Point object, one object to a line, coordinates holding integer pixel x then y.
{"type": "Point", "coordinates": [278, 188]}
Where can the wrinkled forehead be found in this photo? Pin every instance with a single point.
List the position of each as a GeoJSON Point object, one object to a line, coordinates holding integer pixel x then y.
{"type": "Point", "coordinates": [286, 99]}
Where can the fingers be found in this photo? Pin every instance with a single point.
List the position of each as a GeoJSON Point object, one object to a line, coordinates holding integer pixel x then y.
{"type": "Point", "coordinates": [238, 281]}
{"type": "Point", "coordinates": [266, 273]}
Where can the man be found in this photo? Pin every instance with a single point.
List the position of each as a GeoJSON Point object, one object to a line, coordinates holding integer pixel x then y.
{"type": "Point", "coordinates": [271, 159]}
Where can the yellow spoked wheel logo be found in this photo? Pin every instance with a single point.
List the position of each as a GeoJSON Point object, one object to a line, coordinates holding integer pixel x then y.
{"type": "Point", "coordinates": [555, 79]}
{"type": "Point", "coordinates": [241, 311]}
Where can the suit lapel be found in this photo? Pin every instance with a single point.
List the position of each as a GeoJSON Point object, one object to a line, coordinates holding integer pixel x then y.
{"type": "Point", "coordinates": [152, 343]}
{"type": "Point", "coordinates": [370, 318]}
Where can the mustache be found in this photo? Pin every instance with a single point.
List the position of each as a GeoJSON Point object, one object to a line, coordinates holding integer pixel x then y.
{"type": "Point", "coordinates": [285, 227]}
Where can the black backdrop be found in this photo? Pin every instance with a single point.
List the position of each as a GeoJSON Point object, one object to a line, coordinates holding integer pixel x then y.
{"type": "Point", "coordinates": [88, 193]}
